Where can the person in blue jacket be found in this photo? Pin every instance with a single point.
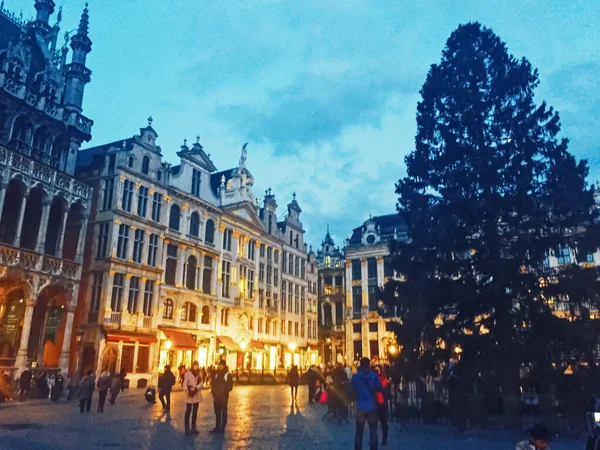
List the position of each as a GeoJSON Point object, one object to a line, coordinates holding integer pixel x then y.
{"type": "Point", "coordinates": [366, 384]}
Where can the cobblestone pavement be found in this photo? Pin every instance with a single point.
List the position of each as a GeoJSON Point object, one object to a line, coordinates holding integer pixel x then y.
{"type": "Point", "coordinates": [259, 418]}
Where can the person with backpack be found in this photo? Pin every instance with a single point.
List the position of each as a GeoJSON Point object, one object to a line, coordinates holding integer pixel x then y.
{"type": "Point", "coordinates": [383, 398]}
{"type": "Point", "coordinates": [192, 385]}
{"type": "Point", "coordinates": [222, 384]}
{"type": "Point", "coordinates": [539, 436]}
{"type": "Point", "coordinates": [165, 384]}
{"type": "Point", "coordinates": [366, 385]}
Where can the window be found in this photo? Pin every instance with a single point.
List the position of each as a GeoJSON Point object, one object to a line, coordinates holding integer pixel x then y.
{"type": "Point", "coordinates": [297, 268]}
{"type": "Point", "coordinates": [261, 273]}
{"type": "Point", "coordinates": [251, 283]}
{"type": "Point", "coordinates": [260, 325]}
{"type": "Point", "coordinates": [373, 300]}
{"type": "Point", "coordinates": [96, 294]}
{"type": "Point", "coordinates": [269, 274]}
{"type": "Point", "coordinates": [302, 269]}
{"type": "Point", "coordinates": [290, 296]}
{"type": "Point", "coordinates": [111, 162]}
{"type": "Point", "coordinates": [262, 250]}
{"type": "Point", "coordinates": [196, 182]}
{"type": "Point", "coordinates": [148, 297]}
{"type": "Point", "coordinates": [116, 300]}
{"type": "Point", "coordinates": [373, 327]}
{"type": "Point", "coordinates": [283, 262]}
{"type": "Point", "coordinates": [205, 315]}
{"type": "Point", "coordinates": [289, 329]}
{"type": "Point", "coordinates": [134, 293]}
{"type": "Point", "coordinates": [207, 275]}
{"type": "Point", "coordinates": [269, 254]}
{"type": "Point", "coordinates": [192, 268]}
{"type": "Point", "coordinates": [276, 277]}
{"type": "Point", "coordinates": [209, 232]}
{"type": "Point", "coordinates": [327, 262]}
{"type": "Point", "coordinates": [146, 165]}
{"type": "Point", "coordinates": [303, 301]}
{"type": "Point", "coordinates": [130, 161]}
{"type": "Point", "coordinates": [102, 240]}
{"type": "Point", "coordinates": [142, 208]}
{"type": "Point", "coordinates": [283, 295]}
{"type": "Point", "coordinates": [251, 248]}
{"type": "Point", "coordinates": [270, 225]}
{"type": "Point", "coordinates": [261, 298]}
{"type": "Point", "coordinates": [171, 265]}
{"type": "Point", "coordinates": [226, 278]}
{"type": "Point", "coordinates": [296, 328]}
{"type": "Point", "coordinates": [276, 257]}
{"type": "Point", "coordinates": [152, 248]}
{"type": "Point", "coordinates": [227, 236]}
{"type": "Point", "coordinates": [357, 328]}
{"type": "Point", "coordinates": [372, 269]}
{"type": "Point", "coordinates": [127, 357]}
{"type": "Point", "coordinates": [563, 255]}
{"type": "Point", "coordinates": [138, 245]}
{"type": "Point", "coordinates": [225, 316]}
{"type": "Point", "coordinates": [297, 240]}
{"type": "Point", "coordinates": [189, 312]}
{"type": "Point", "coordinates": [589, 257]}
{"type": "Point", "coordinates": [159, 175]}
{"type": "Point", "coordinates": [123, 241]}
{"type": "Point", "coordinates": [356, 300]}
{"type": "Point", "coordinates": [356, 269]}
{"type": "Point", "coordinates": [127, 195]}
{"type": "Point", "coordinates": [297, 300]}
{"type": "Point", "coordinates": [143, 358]}
{"type": "Point", "coordinates": [291, 265]}
{"type": "Point", "coordinates": [195, 224]}
{"type": "Point", "coordinates": [291, 238]}
{"type": "Point", "coordinates": [174, 218]}
{"type": "Point", "coordinates": [107, 193]}
{"type": "Point", "coordinates": [282, 327]}
{"type": "Point", "coordinates": [156, 206]}
{"type": "Point", "coordinates": [168, 309]}
{"type": "Point", "coordinates": [302, 331]}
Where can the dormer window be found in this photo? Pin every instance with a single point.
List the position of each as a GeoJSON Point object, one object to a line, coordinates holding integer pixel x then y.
{"type": "Point", "coordinates": [146, 165]}
{"type": "Point", "coordinates": [130, 162]}
{"type": "Point", "coordinates": [196, 182]}
{"type": "Point", "coordinates": [371, 239]}
{"type": "Point", "coordinates": [159, 175]}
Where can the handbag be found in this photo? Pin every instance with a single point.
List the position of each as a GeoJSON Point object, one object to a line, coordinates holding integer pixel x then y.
{"type": "Point", "coordinates": [324, 396]}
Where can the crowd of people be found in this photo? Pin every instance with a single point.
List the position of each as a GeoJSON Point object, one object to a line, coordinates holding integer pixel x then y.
{"type": "Point", "coordinates": [41, 384]}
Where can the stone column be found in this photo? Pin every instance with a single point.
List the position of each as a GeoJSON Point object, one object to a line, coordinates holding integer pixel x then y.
{"type": "Point", "coordinates": [135, 355]}
{"type": "Point", "coordinates": [61, 236]}
{"type": "Point", "coordinates": [114, 238]}
{"type": "Point", "coordinates": [63, 362]}
{"type": "Point", "coordinates": [364, 282]}
{"type": "Point", "coordinates": [109, 280]}
{"type": "Point", "coordinates": [81, 242]}
{"type": "Point", "coordinates": [125, 306]}
{"type": "Point", "coordinates": [40, 345]}
{"type": "Point", "coordinates": [119, 200]}
{"type": "Point", "coordinates": [145, 250]}
{"type": "Point", "coordinates": [41, 241]}
{"type": "Point", "coordinates": [380, 278]}
{"type": "Point", "coordinates": [21, 359]}
{"type": "Point", "coordinates": [17, 241]}
{"type": "Point", "coordinates": [215, 277]}
{"type": "Point", "coordinates": [348, 286]}
{"type": "Point", "coordinates": [2, 195]}
{"type": "Point", "coordinates": [200, 274]}
{"type": "Point", "coordinates": [181, 266]}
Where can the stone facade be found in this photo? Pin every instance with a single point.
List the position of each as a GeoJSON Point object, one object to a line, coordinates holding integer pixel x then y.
{"type": "Point", "coordinates": [184, 262]}
{"type": "Point", "coordinates": [44, 208]}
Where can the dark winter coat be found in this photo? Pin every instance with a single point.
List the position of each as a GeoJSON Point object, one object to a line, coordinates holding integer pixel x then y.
{"type": "Point", "coordinates": [86, 387]}
{"type": "Point", "coordinates": [166, 381]}
{"type": "Point", "coordinates": [222, 384]}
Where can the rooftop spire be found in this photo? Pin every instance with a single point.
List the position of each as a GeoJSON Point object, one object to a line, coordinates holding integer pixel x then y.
{"type": "Point", "coordinates": [84, 22]}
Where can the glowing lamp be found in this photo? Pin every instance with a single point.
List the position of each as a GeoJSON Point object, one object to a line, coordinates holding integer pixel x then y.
{"type": "Point", "coordinates": [292, 346]}
{"type": "Point", "coordinates": [168, 344]}
{"type": "Point", "coordinates": [221, 351]}
{"type": "Point", "coordinates": [392, 349]}
{"type": "Point", "coordinates": [457, 349]}
{"type": "Point", "coordinates": [243, 345]}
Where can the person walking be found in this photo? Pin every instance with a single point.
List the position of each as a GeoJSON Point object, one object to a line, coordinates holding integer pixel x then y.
{"type": "Point", "coordinates": [86, 390]}
{"type": "Point", "coordinates": [383, 398]}
{"type": "Point", "coordinates": [24, 384]}
{"type": "Point", "coordinates": [365, 385]}
{"type": "Point", "coordinates": [116, 386]}
{"type": "Point", "coordinates": [222, 384]}
{"type": "Point", "coordinates": [165, 384]}
{"type": "Point", "coordinates": [312, 377]}
{"type": "Point", "coordinates": [293, 381]}
{"type": "Point", "coordinates": [192, 385]}
{"type": "Point", "coordinates": [104, 384]}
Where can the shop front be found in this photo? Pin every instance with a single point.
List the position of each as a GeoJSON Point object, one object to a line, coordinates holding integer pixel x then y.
{"type": "Point", "coordinates": [177, 348]}
{"type": "Point", "coordinates": [231, 352]}
{"type": "Point", "coordinates": [132, 352]}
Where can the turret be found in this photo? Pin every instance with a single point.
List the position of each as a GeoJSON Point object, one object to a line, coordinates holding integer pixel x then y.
{"type": "Point", "coordinates": [44, 9]}
{"type": "Point", "coordinates": [77, 74]}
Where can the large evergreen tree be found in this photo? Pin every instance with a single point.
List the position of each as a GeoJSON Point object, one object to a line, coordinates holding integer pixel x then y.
{"type": "Point", "coordinates": [490, 192]}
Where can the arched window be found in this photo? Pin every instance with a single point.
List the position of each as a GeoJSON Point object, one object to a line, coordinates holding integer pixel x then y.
{"type": "Point", "coordinates": [42, 140]}
{"type": "Point", "coordinates": [192, 267]}
{"type": "Point", "coordinates": [22, 133]}
{"type": "Point", "coordinates": [159, 175]}
{"type": "Point", "coordinates": [130, 161]}
{"type": "Point", "coordinates": [205, 315]}
{"type": "Point", "coordinates": [32, 218]}
{"type": "Point", "coordinates": [13, 202]}
{"type": "Point", "coordinates": [328, 317]}
{"type": "Point", "coordinates": [168, 311]}
{"type": "Point", "coordinates": [72, 232]}
{"type": "Point", "coordinates": [209, 232]}
{"type": "Point", "coordinates": [54, 225]}
{"type": "Point", "coordinates": [146, 165]}
{"type": "Point", "coordinates": [189, 312]}
{"type": "Point", "coordinates": [174, 218]}
{"type": "Point", "coordinates": [195, 224]}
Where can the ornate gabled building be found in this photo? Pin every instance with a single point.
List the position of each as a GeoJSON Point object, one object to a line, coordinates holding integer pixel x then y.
{"type": "Point", "coordinates": [185, 263]}
{"type": "Point", "coordinates": [44, 209]}
{"type": "Point", "coordinates": [332, 300]}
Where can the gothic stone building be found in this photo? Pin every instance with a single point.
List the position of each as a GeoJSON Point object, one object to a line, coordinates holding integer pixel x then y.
{"type": "Point", "coordinates": [184, 262]}
{"type": "Point", "coordinates": [43, 208]}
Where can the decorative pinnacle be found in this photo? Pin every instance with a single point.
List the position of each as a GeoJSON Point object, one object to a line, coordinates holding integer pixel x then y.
{"type": "Point", "coordinates": [198, 139]}
{"type": "Point", "coordinates": [185, 142]}
{"type": "Point", "coordinates": [294, 195]}
{"type": "Point", "coordinates": [84, 22]}
{"type": "Point", "coordinates": [124, 144]}
{"type": "Point", "coordinates": [150, 120]}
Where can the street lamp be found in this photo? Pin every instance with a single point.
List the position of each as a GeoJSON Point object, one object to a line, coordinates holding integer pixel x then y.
{"type": "Point", "coordinates": [457, 350]}
{"type": "Point", "coordinates": [221, 351]}
{"type": "Point", "coordinates": [392, 349]}
{"type": "Point", "coordinates": [168, 344]}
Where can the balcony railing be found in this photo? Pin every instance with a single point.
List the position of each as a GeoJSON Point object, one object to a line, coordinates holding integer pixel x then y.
{"type": "Point", "coordinates": [18, 257]}
{"type": "Point", "coordinates": [147, 323]}
{"type": "Point", "coordinates": [115, 318]}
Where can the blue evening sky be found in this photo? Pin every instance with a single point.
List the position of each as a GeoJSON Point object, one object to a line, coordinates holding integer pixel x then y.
{"type": "Point", "coordinates": [325, 91]}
